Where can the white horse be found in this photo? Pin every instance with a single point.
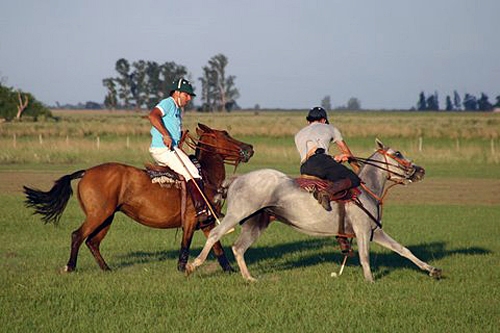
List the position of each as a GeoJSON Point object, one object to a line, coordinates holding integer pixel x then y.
{"type": "Point", "coordinates": [254, 197]}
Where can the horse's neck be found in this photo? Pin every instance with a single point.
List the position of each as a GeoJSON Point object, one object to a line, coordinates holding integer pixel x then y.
{"type": "Point", "coordinates": [213, 168]}
{"type": "Point", "coordinates": [373, 177]}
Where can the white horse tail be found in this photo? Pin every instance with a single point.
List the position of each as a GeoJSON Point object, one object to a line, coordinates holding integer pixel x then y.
{"type": "Point", "coordinates": [222, 190]}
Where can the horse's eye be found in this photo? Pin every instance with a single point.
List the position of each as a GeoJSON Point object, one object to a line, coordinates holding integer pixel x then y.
{"type": "Point", "coordinates": [398, 154]}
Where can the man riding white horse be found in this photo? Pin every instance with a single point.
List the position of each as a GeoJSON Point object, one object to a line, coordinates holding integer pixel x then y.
{"type": "Point", "coordinates": [312, 143]}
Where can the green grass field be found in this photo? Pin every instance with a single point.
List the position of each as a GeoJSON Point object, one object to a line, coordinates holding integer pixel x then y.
{"type": "Point", "coordinates": [450, 220]}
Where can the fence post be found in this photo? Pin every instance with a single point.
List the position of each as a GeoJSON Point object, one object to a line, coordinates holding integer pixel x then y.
{"type": "Point", "coordinates": [14, 138]}
{"type": "Point", "coordinates": [40, 139]}
{"type": "Point", "coordinates": [128, 142]}
{"type": "Point", "coordinates": [420, 144]}
{"type": "Point", "coordinates": [492, 146]}
{"type": "Point", "coordinates": [98, 143]}
{"type": "Point", "coordinates": [458, 145]}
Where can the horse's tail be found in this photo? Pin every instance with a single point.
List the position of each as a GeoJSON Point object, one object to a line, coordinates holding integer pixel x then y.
{"type": "Point", "coordinates": [51, 204]}
{"type": "Point", "coordinates": [222, 190]}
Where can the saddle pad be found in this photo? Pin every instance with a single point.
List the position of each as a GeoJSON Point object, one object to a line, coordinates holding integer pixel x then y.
{"type": "Point", "coordinates": [314, 184]}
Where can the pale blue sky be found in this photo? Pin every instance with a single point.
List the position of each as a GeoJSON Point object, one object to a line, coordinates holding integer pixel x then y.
{"type": "Point", "coordinates": [284, 53]}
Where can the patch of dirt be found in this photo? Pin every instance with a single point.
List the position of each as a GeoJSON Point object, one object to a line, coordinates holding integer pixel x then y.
{"type": "Point", "coordinates": [447, 191]}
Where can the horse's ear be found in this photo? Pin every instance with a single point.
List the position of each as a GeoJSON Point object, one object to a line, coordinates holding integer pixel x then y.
{"type": "Point", "coordinates": [379, 143]}
{"type": "Point", "coordinates": [202, 128]}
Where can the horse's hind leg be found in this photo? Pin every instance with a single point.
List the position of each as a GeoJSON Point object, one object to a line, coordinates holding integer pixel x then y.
{"type": "Point", "coordinates": [77, 238]}
{"type": "Point", "coordinates": [94, 240]}
{"type": "Point", "coordinates": [250, 231]}
{"type": "Point", "coordinates": [380, 237]}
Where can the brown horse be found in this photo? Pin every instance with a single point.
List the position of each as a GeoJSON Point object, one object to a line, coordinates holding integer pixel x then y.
{"type": "Point", "coordinates": [111, 187]}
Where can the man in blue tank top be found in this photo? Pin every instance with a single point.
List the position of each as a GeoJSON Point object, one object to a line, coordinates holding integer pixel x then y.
{"type": "Point", "coordinates": [166, 132]}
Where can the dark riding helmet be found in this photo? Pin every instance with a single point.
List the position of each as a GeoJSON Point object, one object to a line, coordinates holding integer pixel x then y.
{"type": "Point", "coordinates": [182, 85]}
{"type": "Point", "coordinates": [317, 113]}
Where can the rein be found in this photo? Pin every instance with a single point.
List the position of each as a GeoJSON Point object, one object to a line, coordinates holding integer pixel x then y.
{"type": "Point", "coordinates": [402, 165]}
{"type": "Point", "coordinates": [231, 155]}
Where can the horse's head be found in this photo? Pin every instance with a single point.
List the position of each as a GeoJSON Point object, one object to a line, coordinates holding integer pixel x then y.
{"type": "Point", "coordinates": [399, 168]}
{"type": "Point", "coordinates": [221, 143]}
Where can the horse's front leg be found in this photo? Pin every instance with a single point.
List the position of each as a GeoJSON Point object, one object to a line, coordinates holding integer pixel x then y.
{"type": "Point", "coordinates": [380, 237]}
{"type": "Point", "coordinates": [187, 237]}
{"type": "Point", "coordinates": [214, 236]}
{"type": "Point", "coordinates": [362, 232]}
{"type": "Point", "coordinates": [219, 252]}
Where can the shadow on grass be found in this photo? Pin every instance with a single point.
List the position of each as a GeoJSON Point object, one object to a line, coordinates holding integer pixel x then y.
{"type": "Point", "coordinates": [287, 256]}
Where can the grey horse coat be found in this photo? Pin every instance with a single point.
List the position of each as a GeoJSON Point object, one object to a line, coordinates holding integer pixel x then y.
{"type": "Point", "coordinates": [254, 197]}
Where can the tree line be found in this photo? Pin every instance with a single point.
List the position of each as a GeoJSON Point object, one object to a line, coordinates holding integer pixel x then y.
{"type": "Point", "coordinates": [15, 103]}
{"type": "Point", "coordinates": [468, 103]}
{"type": "Point", "coordinates": [142, 84]}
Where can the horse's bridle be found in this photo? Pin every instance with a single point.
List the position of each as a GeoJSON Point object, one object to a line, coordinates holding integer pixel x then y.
{"type": "Point", "coordinates": [406, 167]}
{"type": "Point", "coordinates": [406, 170]}
{"type": "Point", "coordinates": [231, 156]}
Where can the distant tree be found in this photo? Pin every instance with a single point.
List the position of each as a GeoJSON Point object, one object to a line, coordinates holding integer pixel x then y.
{"type": "Point", "coordinates": [457, 103]}
{"type": "Point", "coordinates": [111, 99]}
{"type": "Point", "coordinates": [92, 105]}
{"type": "Point", "coordinates": [353, 104]}
{"type": "Point", "coordinates": [449, 104]}
{"type": "Point", "coordinates": [422, 102]}
{"type": "Point", "coordinates": [218, 89]}
{"type": "Point", "coordinates": [470, 102]}
{"type": "Point", "coordinates": [326, 103]}
{"type": "Point", "coordinates": [433, 102]}
{"type": "Point", "coordinates": [144, 83]}
{"type": "Point", "coordinates": [124, 81]}
{"type": "Point", "coordinates": [138, 84]}
{"type": "Point", "coordinates": [483, 104]}
{"type": "Point", "coordinates": [497, 104]}
{"type": "Point", "coordinates": [17, 104]}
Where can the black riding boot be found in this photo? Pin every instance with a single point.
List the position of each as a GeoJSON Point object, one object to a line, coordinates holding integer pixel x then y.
{"type": "Point", "coordinates": [202, 212]}
{"type": "Point", "coordinates": [345, 244]}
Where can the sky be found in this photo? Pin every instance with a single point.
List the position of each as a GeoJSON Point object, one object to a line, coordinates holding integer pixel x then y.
{"type": "Point", "coordinates": [284, 53]}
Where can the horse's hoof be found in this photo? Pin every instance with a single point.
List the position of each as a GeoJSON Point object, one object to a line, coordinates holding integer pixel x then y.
{"type": "Point", "coordinates": [67, 269]}
{"type": "Point", "coordinates": [436, 273]}
{"type": "Point", "coordinates": [250, 279]}
{"type": "Point", "coordinates": [189, 269]}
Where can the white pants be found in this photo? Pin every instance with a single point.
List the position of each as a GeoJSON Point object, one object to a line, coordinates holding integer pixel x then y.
{"type": "Point", "coordinates": [166, 157]}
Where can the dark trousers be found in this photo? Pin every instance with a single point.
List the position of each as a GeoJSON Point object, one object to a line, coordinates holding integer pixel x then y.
{"type": "Point", "coordinates": [324, 166]}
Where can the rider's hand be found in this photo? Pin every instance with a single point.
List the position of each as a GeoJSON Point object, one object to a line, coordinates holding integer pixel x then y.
{"type": "Point", "coordinates": [341, 158]}
{"type": "Point", "coordinates": [167, 140]}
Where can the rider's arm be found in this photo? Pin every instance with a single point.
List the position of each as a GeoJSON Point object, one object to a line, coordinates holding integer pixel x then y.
{"type": "Point", "coordinates": [346, 154]}
{"type": "Point", "coordinates": [155, 117]}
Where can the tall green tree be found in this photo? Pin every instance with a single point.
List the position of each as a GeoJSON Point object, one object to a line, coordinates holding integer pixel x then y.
{"type": "Point", "coordinates": [219, 91]}
{"type": "Point", "coordinates": [326, 103]}
{"type": "Point", "coordinates": [124, 81]}
{"type": "Point", "coordinates": [11, 99]}
{"type": "Point", "coordinates": [353, 104]}
{"type": "Point", "coordinates": [111, 98]}
{"type": "Point", "coordinates": [422, 102]}
{"type": "Point", "coordinates": [483, 104]}
{"type": "Point", "coordinates": [449, 104]}
{"type": "Point", "coordinates": [470, 102]}
{"type": "Point", "coordinates": [457, 102]}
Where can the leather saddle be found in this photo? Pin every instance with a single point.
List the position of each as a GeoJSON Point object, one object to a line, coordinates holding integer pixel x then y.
{"type": "Point", "coordinates": [165, 176]}
{"type": "Point", "coordinates": [326, 191]}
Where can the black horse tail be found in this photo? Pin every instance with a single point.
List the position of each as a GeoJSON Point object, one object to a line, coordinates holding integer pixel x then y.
{"type": "Point", "coordinates": [51, 204]}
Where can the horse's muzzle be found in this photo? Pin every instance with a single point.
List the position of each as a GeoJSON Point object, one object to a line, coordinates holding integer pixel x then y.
{"type": "Point", "coordinates": [246, 152]}
{"type": "Point", "coordinates": [418, 174]}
